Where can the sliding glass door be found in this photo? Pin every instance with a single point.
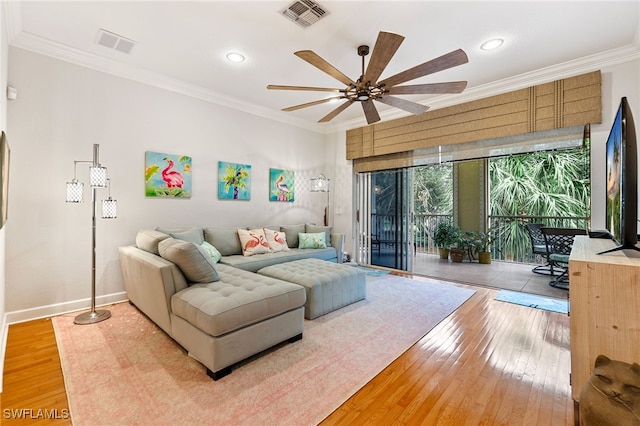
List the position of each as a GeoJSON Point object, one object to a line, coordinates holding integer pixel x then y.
{"type": "Point", "coordinates": [384, 219]}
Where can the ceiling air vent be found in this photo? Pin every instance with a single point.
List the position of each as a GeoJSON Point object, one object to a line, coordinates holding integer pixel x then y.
{"type": "Point", "coordinates": [304, 12]}
{"type": "Point", "coordinates": [115, 41]}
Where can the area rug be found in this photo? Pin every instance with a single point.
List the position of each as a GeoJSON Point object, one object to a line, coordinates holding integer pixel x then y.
{"type": "Point", "coordinates": [126, 371]}
{"type": "Point", "coordinates": [373, 271]}
{"type": "Point", "coordinates": [534, 301]}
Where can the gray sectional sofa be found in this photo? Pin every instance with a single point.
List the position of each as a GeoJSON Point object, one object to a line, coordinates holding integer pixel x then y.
{"type": "Point", "coordinates": [217, 307]}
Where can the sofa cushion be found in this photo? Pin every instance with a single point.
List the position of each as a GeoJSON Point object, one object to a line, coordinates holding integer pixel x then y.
{"type": "Point", "coordinates": [193, 260]}
{"type": "Point", "coordinates": [225, 240]}
{"type": "Point", "coordinates": [239, 299]}
{"type": "Point", "coordinates": [193, 235]}
{"type": "Point", "coordinates": [312, 241]}
{"type": "Point", "coordinates": [291, 232]}
{"type": "Point", "coordinates": [254, 263]}
{"type": "Point", "coordinates": [253, 241]}
{"type": "Point", "coordinates": [277, 240]}
{"type": "Point", "coordinates": [148, 240]}
{"type": "Point", "coordinates": [313, 229]}
{"type": "Point", "coordinates": [213, 252]}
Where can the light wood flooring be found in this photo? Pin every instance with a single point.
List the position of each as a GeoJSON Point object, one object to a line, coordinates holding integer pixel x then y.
{"type": "Point", "coordinates": [490, 362]}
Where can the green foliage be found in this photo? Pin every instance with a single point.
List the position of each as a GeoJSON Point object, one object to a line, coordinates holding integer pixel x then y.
{"type": "Point", "coordinates": [235, 177]}
{"type": "Point", "coordinates": [480, 241]}
{"type": "Point", "coordinates": [150, 171]}
{"type": "Point", "coordinates": [446, 235]}
{"type": "Point", "coordinates": [555, 184]}
{"type": "Point", "coordinates": [433, 189]}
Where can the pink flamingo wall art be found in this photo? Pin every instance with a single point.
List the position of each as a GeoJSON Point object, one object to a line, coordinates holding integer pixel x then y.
{"type": "Point", "coordinates": [167, 175]}
{"type": "Point", "coordinates": [173, 178]}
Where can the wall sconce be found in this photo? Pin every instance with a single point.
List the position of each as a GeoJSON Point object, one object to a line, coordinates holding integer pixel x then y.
{"type": "Point", "coordinates": [321, 184]}
{"type": "Point", "coordinates": [97, 179]}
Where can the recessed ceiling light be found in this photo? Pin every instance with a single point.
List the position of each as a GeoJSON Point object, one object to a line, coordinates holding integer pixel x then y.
{"type": "Point", "coordinates": [492, 44]}
{"type": "Point", "coordinates": [235, 57]}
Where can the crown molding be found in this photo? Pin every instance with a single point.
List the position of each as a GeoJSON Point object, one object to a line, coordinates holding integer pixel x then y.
{"type": "Point", "coordinates": [55, 50]}
{"type": "Point", "coordinates": [12, 13]}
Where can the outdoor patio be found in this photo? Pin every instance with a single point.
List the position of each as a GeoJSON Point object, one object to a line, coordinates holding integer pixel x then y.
{"type": "Point", "coordinates": [498, 274]}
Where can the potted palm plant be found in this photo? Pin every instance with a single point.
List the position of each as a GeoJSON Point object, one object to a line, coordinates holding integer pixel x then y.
{"type": "Point", "coordinates": [483, 241]}
{"type": "Point", "coordinates": [444, 237]}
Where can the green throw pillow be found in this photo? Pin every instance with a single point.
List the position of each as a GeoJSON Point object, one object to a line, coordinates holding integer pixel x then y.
{"type": "Point", "coordinates": [213, 252]}
{"type": "Point", "coordinates": [312, 241]}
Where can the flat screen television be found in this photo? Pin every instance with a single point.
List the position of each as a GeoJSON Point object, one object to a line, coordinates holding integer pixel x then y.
{"type": "Point", "coordinates": [622, 181]}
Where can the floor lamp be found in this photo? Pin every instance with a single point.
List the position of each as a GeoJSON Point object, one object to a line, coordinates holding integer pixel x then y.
{"type": "Point", "coordinates": [321, 184]}
{"type": "Point", "coordinates": [97, 179]}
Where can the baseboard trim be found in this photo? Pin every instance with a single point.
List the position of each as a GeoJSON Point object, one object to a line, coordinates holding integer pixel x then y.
{"type": "Point", "coordinates": [23, 315]}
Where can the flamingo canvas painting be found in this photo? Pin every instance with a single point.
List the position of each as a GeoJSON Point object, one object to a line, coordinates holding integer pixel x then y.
{"type": "Point", "coordinates": [281, 185]}
{"type": "Point", "coordinates": [167, 175]}
{"type": "Point", "coordinates": [234, 181]}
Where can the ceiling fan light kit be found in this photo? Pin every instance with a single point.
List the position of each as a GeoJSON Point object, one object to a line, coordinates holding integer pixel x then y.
{"type": "Point", "coordinates": [367, 88]}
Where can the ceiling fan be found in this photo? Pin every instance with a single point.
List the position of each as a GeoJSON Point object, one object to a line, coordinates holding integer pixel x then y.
{"type": "Point", "coordinates": [367, 88]}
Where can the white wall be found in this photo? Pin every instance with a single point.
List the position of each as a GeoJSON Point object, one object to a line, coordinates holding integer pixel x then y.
{"type": "Point", "coordinates": [61, 110]}
{"type": "Point", "coordinates": [4, 53]}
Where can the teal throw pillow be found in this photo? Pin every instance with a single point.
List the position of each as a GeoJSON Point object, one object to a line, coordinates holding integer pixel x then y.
{"type": "Point", "coordinates": [213, 252]}
{"type": "Point", "coordinates": [312, 241]}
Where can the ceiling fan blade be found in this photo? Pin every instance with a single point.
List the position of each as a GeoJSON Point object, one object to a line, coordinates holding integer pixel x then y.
{"type": "Point", "coordinates": [308, 104]}
{"type": "Point", "coordinates": [335, 112]}
{"type": "Point", "coordinates": [370, 112]}
{"type": "Point", "coordinates": [323, 65]}
{"type": "Point", "coordinates": [312, 89]}
{"type": "Point", "coordinates": [412, 107]}
{"type": "Point", "coordinates": [428, 89]}
{"type": "Point", "coordinates": [449, 60]}
{"type": "Point", "coordinates": [386, 46]}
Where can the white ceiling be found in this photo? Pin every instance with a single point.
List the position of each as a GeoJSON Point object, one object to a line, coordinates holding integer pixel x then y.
{"type": "Point", "coordinates": [182, 45]}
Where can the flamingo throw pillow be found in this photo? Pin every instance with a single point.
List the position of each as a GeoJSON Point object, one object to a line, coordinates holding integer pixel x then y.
{"type": "Point", "coordinates": [253, 241]}
{"type": "Point", "coordinates": [277, 240]}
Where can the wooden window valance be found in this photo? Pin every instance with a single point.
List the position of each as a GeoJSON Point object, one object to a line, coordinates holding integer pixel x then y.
{"type": "Point", "coordinates": [563, 103]}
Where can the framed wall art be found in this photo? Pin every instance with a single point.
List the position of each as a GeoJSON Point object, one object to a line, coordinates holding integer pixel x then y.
{"type": "Point", "coordinates": [234, 181]}
{"type": "Point", "coordinates": [4, 179]}
{"type": "Point", "coordinates": [167, 175]}
{"type": "Point", "coordinates": [281, 185]}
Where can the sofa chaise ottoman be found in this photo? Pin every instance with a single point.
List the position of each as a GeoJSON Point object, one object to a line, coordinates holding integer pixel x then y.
{"type": "Point", "coordinates": [220, 314]}
{"type": "Point", "coordinates": [329, 286]}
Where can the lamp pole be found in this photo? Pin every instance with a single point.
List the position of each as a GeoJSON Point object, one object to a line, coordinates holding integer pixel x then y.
{"type": "Point", "coordinates": [93, 316]}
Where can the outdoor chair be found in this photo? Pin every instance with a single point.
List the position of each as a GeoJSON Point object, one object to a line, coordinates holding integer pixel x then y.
{"type": "Point", "coordinates": [559, 242]}
{"type": "Point", "coordinates": [539, 248]}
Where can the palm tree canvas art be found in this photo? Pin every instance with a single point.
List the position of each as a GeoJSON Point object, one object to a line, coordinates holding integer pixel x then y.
{"type": "Point", "coordinates": [234, 181]}
{"type": "Point", "coordinates": [167, 175]}
{"type": "Point", "coordinates": [281, 185]}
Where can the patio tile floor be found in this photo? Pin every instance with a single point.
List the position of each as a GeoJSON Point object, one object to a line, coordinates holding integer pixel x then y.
{"type": "Point", "coordinates": [498, 274]}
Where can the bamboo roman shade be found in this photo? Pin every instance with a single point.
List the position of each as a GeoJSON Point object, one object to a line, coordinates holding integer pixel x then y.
{"type": "Point", "coordinates": [551, 112]}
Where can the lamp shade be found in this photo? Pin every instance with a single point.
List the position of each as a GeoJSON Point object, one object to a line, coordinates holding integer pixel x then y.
{"type": "Point", "coordinates": [74, 191]}
{"type": "Point", "coordinates": [109, 208]}
{"type": "Point", "coordinates": [98, 176]}
{"type": "Point", "coordinates": [320, 184]}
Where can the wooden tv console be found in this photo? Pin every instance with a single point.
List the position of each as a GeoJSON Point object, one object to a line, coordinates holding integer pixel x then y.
{"type": "Point", "coordinates": [604, 297]}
